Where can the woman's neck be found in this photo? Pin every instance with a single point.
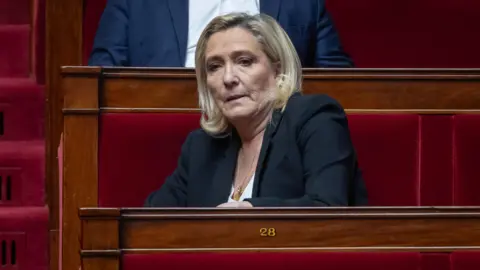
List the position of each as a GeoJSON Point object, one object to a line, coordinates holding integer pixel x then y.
{"type": "Point", "coordinates": [251, 131]}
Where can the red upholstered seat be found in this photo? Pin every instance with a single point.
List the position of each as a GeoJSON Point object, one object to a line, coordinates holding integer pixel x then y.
{"type": "Point", "coordinates": [465, 260]}
{"type": "Point", "coordinates": [466, 184]}
{"type": "Point", "coordinates": [407, 159]}
{"type": "Point", "coordinates": [278, 261]}
{"type": "Point", "coordinates": [387, 147]}
{"type": "Point", "coordinates": [137, 152]}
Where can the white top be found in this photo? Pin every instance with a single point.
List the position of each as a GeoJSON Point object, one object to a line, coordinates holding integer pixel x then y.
{"type": "Point", "coordinates": [201, 12]}
{"type": "Point", "coordinates": [247, 193]}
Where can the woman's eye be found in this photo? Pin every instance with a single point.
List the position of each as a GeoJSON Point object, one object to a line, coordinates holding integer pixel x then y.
{"type": "Point", "coordinates": [245, 62]}
{"type": "Point", "coordinates": [212, 67]}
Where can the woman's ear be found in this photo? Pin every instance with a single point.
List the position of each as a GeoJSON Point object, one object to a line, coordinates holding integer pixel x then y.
{"type": "Point", "coordinates": [277, 68]}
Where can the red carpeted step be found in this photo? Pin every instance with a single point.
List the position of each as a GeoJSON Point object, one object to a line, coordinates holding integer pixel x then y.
{"type": "Point", "coordinates": [21, 110]}
{"type": "Point", "coordinates": [15, 11]}
{"type": "Point", "coordinates": [24, 238]}
{"type": "Point", "coordinates": [14, 50]}
{"type": "Point", "coordinates": [22, 173]}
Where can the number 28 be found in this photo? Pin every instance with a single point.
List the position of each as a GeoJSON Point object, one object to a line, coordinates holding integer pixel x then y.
{"type": "Point", "coordinates": [268, 232]}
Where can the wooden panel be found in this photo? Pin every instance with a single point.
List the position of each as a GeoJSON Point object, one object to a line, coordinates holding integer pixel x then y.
{"type": "Point", "coordinates": [79, 180]}
{"type": "Point", "coordinates": [102, 240]}
{"type": "Point", "coordinates": [82, 93]}
{"type": "Point", "coordinates": [327, 233]}
{"type": "Point", "coordinates": [104, 234]}
{"type": "Point", "coordinates": [290, 229]}
{"type": "Point", "coordinates": [406, 93]}
{"type": "Point", "coordinates": [54, 248]}
{"type": "Point", "coordinates": [101, 262]}
{"type": "Point", "coordinates": [63, 46]}
{"type": "Point", "coordinates": [355, 89]}
{"type": "Point", "coordinates": [80, 171]}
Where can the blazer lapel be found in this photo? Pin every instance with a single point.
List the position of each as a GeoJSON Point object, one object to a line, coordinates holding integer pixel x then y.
{"type": "Point", "coordinates": [264, 151]}
{"type": "Point", "coordinates": [179, 14]}
{"type": "Point", "coordinates": [270, 7]}
{"type": "Point", "coordinates": [224, 175]}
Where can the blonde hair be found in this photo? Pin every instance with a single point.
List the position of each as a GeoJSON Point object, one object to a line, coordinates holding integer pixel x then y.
{"type": "Point", "coordinates": [276, 45]}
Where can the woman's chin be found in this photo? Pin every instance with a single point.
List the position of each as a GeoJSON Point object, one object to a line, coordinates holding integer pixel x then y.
{"type": "Point", "coordinates": [238, 113]}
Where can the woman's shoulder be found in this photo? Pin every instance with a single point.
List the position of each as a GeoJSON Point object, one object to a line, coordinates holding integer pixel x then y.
{"type": "Point", "coordinates": [301, 106]}
{"type": "Point", "coordinates": [199, 139]}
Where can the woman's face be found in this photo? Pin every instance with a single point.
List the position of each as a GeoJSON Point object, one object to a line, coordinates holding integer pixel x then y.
{"type": "Point", "coordinates": [239, 74]}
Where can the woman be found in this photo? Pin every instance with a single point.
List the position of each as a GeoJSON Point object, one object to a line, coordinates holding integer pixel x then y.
{"type": "Point", "coordinates": [262, 143]}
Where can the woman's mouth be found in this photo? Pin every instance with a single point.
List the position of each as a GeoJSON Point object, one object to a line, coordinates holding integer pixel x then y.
{"type": "Point", "coordinates": [234, 97]}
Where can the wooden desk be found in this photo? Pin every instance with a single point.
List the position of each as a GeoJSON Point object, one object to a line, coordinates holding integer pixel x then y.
{"type": "Point", "coordinates": [91, 91]}
{"type": "Point", "coordinates": [107, 233]}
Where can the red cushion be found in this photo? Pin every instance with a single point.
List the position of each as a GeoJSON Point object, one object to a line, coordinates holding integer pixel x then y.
{"type": "Point", "coordinates": [465, 260]}
{"type": "Point", "coordinates": [467, 162]}
{"type": "Point", "coordinates": [436, 157]}
{"type": "Point", "coordinates": [407, 160]}
{"type": "Point", "coordinates": [137, 152]}
{"type": "Point", "coordinates": [143, 149]}
{"type": "Point", "coordinates": [278, 261]}
{"type": "Point", "coordinates": [435, 261]}
{"type": "Point", "coordinates": [387, 147]}
{"type": "Point", "coordinates": [409, 33]}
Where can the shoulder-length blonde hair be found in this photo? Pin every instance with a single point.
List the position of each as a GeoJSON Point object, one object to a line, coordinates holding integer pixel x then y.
{"type": "Point", "coordinates": [276, 45]}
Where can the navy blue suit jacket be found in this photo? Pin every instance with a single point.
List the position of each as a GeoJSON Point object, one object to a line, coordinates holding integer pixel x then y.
{"type": "Point", "coordinates": [306, 159]}
{"type": "Point", "coordinates": [154, 33]}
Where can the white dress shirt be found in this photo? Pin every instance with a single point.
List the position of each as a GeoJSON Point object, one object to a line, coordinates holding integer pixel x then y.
{"type": "Point", "coordinates": [201, 12]}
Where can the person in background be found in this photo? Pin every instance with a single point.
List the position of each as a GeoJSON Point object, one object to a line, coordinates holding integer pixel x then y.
{"type": "Point", "coordinates": [262, 143]}
{"type": "Point", "coordinates": [164, 33]}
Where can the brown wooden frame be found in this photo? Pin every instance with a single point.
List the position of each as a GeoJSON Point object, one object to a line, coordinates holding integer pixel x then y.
{"type": "Point", "coordinates": [90, 91]}
{"type": "Point", "coordinates": [64, 42]}
{"type": "Point", "coordinates": [109, 233]}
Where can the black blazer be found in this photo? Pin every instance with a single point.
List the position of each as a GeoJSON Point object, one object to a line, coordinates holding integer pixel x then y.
{"type": "Point", "coordinates": [306, 159]}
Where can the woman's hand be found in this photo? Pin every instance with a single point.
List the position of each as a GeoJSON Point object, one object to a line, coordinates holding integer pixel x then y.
{"type": "Point", "coordinates": [242, 204]}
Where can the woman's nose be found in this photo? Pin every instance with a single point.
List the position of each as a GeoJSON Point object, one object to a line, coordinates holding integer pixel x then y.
{"type": "Point", "coordinates": [230, 78]}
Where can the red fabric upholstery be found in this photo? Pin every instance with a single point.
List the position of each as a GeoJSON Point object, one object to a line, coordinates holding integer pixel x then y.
{"type": "Point", "coordinates": [387, 147]}
{"type": "Point", "coordinates": [28, 228]}
{"type": "Point", "coordinates": [22, 103]}
{"type": "Point", "coordinates": [14, 54]}
{"type": "Point", "coordinates": [409, 33]}
{"type": "Point", "coordinates": [278, 261]}
{"type": "Point", "coordinates": [381, 34]}
{"type": "Point", "coordinates": [465, 260]}
{"type": "Point", "coordinates": [24, 164]}
{"type": "Point", "coordinates": [137, 152]}
{"type": "Point", "coordinates": [466, 160]}
{"type": "Point", "coordinates": [407, 160]}
{"type": "Point", "coordinates": [13, 12]}
{"type": "Point", "coordinates": [435, 261]}
{"type": "Point", "coordinates": [436, 160]}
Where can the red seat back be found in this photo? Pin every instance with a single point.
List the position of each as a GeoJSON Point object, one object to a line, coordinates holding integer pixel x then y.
{"type": "Point", "coordinates": [137, 152]}
{"type": "Point", "coordinates": [465, 260]}
{"type": "Point", "coordinates": [407, 159]}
